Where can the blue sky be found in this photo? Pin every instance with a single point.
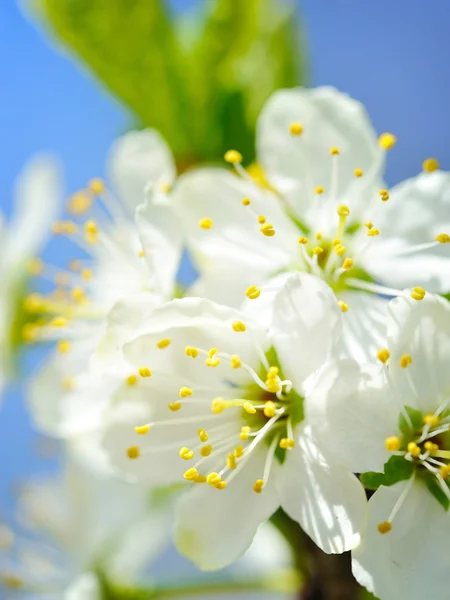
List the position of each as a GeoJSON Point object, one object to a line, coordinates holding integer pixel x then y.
{"type": "Point", "coordinates": [392, 55]}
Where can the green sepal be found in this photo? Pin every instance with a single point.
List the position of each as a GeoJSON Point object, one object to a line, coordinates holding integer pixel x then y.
{"type": "Point", "coordinates": [416, 420]}
{"type": "Point", "coordinates": [395, 469]}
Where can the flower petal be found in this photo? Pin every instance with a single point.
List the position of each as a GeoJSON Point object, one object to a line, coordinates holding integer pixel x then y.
{"type": "Point", "coordinates": [411, 560]}
{"type": "Point", "coordinates": [306, 324]}
{"type": "Point", "coordinates": [327, 500]}
{"type": "Point", "coordinates": [214, 527]}
{"type": "Point", "coordinates": [418, 211]}
{"type": "Point", "coordinates": [136, 159]}
{"type": "Point", "coordinates": [234, 236]}
{"type": "Point", "coordinates": [352, 411]}
{"type": "Point", "coordinates": [422, 330]}
{"type": "Point", "coordinates": [296, 165]}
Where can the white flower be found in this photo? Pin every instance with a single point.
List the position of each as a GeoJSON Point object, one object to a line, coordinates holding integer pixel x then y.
{"type": "Point", "coordinates": [223, 407]}
{"type": "Point", "coordinates": [81, 527]}
{"type": "Point", "coordinates": [134, 247]}
{"type": "Point", "coordinates": [36, 201]}
{"type": "Point", "coordinates": [393, 426]}
{"type": "Point", "coordinates": [326, 212]}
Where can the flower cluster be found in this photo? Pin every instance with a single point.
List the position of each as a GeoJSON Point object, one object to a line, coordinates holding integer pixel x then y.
{"type": "Point", "coordinates": [305, 368]}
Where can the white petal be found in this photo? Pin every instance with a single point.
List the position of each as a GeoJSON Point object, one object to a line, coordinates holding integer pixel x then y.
{"type": "Point", "coordinates": [297, 165]}
{"type": "Point", "coordinates": [161, 237]}
{"type": "Point", "coordinates": [306, 323]}
{"type": "Point", "coordinates": [38, 194]}
{"type": "Point", "coordinates": [136, 159]}
{"type": "Point", "coordinates": [418, 210]}
{"type": "Point", "coordinates": [410, 561]}
{"type": "Point", "coordinates": [422, 330]}
{"type": "Point", "coordinates": [227, 286]}
{"type": "Point", "coordinates": [234, 237]}
{"type": "Point", "coordinates": [85, 587]}
{"type": "Point", "coordinates": [364, 325]}
{"type": "Point", "coordinates": [327, 500]}
{"type": "Point", "coordinates": [352, 411]}
{"type": "Point", "coordinates": [214, 527]}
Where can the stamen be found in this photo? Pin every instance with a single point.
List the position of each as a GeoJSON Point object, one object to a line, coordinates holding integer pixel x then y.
{"type": "Point", "coordinates": [133, 452]}
{"type": "Point", "coordinates": [430, 164]}
{"type": "Point", "coordinates": [253, 292]}
{"type": "Point", "coordinates": [418, 293]}
{"type": "Point", "coordinates": [443, 238]}
{"type": "Point", "coordinates": [383, 355]}
{"type": "Point", "coordinates": [319, 190]}
{"type": "Point", "coordinates": [233, 157]}
{"type": "Point", "coordinates": [384, 195]}
{"type": "Point", "coordinates": [386, 526]}
{"type": "Point", "coordinates": [358, 172]}
{"type": "Point", "coordinates": [343, 306]}
{"type": "Point", "coordinates": [238, 326]}
{"type": "Point", "coordinates": [387, 141]}
{"type": "Point", "coordinates": [163, 343]}
{"type": "Point", "coordinates": [145, 372]}
{"type": "Point", "coordinates": [191, 351]}
{"type": "Point", "coordinates": [392, 443]}
{"type": "Point", "coordinates": [296, 128]}
{"type": "Point", "coordinates": [205, 223]}
{"type": "Point", "coordinates": [405, 360]}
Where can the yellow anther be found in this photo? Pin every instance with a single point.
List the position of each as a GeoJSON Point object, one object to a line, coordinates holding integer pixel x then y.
{"type": "Point", "coordinates": [418, 293]}
{"type": "Point", "coordinates": [318, 235]}
{"type": "Point", "coordinates": [202, 435]}
{"type": "Point", "coordinates": [142, 429]}
{"type": "Point", "coordinates": [334, 151]}
{"type": "Point", "coordinates": [78, 293]}
{"type": "Point", "coordinates": [231, 461]}
{"type": "Point", "coordinates": [369, 224]}
{"type": "Point", "coordinates": [392, 443]}
{"type": "Point", "coordinates": [270, 409]}
{"type": "Point", "coordinates": [358, 172]}
{"type": "Point", "coordinates": [185, 392]}
{"type": "Point", "coordinates": [319, 190]}
{"type": "Point", "coordinates": [97, 186]}
{"type": "Point", "coordinates": [174, 406]}
{"type": "Point", "coordinates": [218, 405]}
{"type": "Point", "coordinates": [413, 449]}
{"type": "Point", "coordinates": [252, 292]}
{"type": "Point", "coordinates": [383, 355]}
{"type": "Point", "coordinates": [267, 230]}
{"type": "Point", "coordinates": [212, 360]}
{"type": "Point", "coordinates": [336, 242]}
{"type": "Point", "coordinates": [221, 485]}
{"type": "Point", "coordinates": [373, 231]}
{"type": "Point", "coordinates": [235, 361]}
{"type": "Point", "coordinates": [213, 479]}
{"type": "Point", "coordinates": [200, 479]}
{"type": "Point", "coordinates": [35, 266]}
{"type": "Point", "coordinates": [431, 420]}
{"type": "Point", "coordinates": [273, 385]}
{"type": "Point", "coordinates": [239, 451]}
{"type": "Point", "coordinates": [212, 352]}
{"type": "Point", "coordinates": [258, 486]}
{"type": "Point", "coordinates": [165, 187]}
{"type": "Point", "coordinates": [86, 274]}
{"type": "Point", "coordinates": [205, 223]}
{"type": "Point", "coordinates": [145, 372]}
{"type": "Point", "coordinates": [343, 306]}
{"type": "Point", "coordinates": [343, 210]}
{"type": "Point", "coordinates": [296, 128]}
{"type": "Point", "coordinates": [444, 471]}
{"type": "Point", "coordinates": [233, 156]}
{"type": "Point", "coordinates": [443, 238]}
{"type": "Point", "coordinates": [430, 164]}
{"type": "Point", "coordinates": [384, 195]}
{"type": "Point", "coordinates": [206, 450]}
{"type": "Point", "coordinates": [141, 254]}
{"type": "Point", "coordinates": [248, 407]}
{"type": "Point", "coordinates": [58, 322]}
{"type": "Point", "coordinates": [287, 443]}
{"type": "Point", "coordinates": [91, 227]}
{"type": "Point", "coordinates": [64, 346]}
{"type": "Point", "coordinates": [405, 360]}
{"type": "Point", "coordinates": [30, 333]}
{"type": "Point", "coordinates": [133, 452]}
{"type": "Point", "coordinates": [302, 240]}
{"type": "Point", "coordinates": [347, 264]}
{"type": "Point", "coordinates": [191, 474]}
{"type": "Point", "coordinates": [384, 527]}
{"type": "Point", "coordinates": [246, 201]}
{"type": "Point", "coordinates": [132, 380]}
{"type": "Point", "coordinates": [431, 447]}
{"type": "Point", "coordinates": [387, 141]}
{"type": "Point", "coordinates": [163, 343]}
{"type": "Point", "coordinates": [239, 326]}
{"type": "Point", "coordinates": [68, 383]}
{"type": "Point", "coordinates": [262, 219]}
{"type": "Point", "coordinates": [79, 203]}
{"type": "Point", "coordinates": [33, 303]}
{"type": "Point", "coordinates": [245, 432]}
{"type": "Point", "coordinates": [186, 454]}
{"type": "Point", "coordinates": [273, 371]}
{"type": "Point", "coordinates": [191, 351]}
{"type": "Point", "coordinates": [318, 250]}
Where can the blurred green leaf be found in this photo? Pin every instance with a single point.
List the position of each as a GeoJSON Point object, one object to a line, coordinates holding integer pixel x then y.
{"type": "Point", "coordinates": [200, 81]}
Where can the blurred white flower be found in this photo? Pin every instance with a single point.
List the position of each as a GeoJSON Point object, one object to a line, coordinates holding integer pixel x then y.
{"type": "Point", "coordinates": [392, 424]}
{"type": "Point", "coordinates": [217, 400]}
{"type": "Point", "coordinates": [131, 246]}
{"type": "Point", "coordinates": [323, 209]}
{"type": "Point", "coordinates": [36, 201]}
{"type": "Point", "coordinates": [79, 529]}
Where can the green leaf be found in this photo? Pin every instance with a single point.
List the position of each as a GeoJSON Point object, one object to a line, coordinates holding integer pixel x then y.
{"type": "Point", "coordinates": [415, 417]}
{"type": "Point", "coordinates": [437, 492]}
{"type": "Point", "coordinates": [395, 469]}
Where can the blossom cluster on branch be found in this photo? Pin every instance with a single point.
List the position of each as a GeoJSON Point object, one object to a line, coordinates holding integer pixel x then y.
{"type": "Point", "coordinates": [307, 367]}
